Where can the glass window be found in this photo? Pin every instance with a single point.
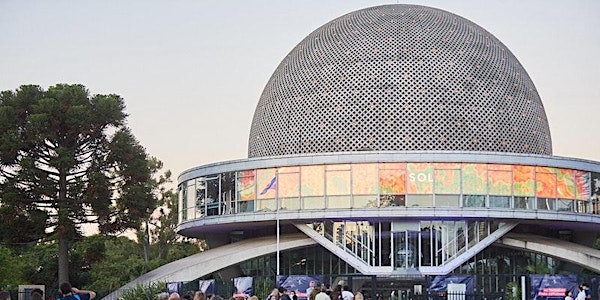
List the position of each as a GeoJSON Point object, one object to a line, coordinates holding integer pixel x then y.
{"type": "Point", "coordinates": [312, 180]}
{"type": "Point", "coordinates": [545, 203]}
{"type": "Point", "coordinates": [317, 202]}
{"type": "Point", "coordinates": [524, 181]}
{"type": "Point", "coordinates": [228, 192]}
{"type": "Point", "coordinates": [338, 182]}
{"type": "Point", "coordinates": [364, 179]}
{"type": "Point", "coordinates": [499, 201]}
{"type": "Point", "coordinates": [545, 182]}
{"type": "Point", "coordinates": [565, 183]}
{"type": "Point", "coordinates": [266, 205]}
{"type": "Point", "coordinates": [195, 197]}
{"type": "Point", "coordinates": [419, 200]}
{"type": "Point", "coordinates": [212, 196]}
{"type": "Point", "coordinates": [289, 203]}
{"type": "Point", "coordinates": [565, 205]}
{"type": "Point", "coordinates": [339, 201]}
{"type": "Point", "coordinates": [523, 202]}
{"type": "Point", "coordinates": [392, 200]}
{"type": "Point", "coordinates": [420, 178]}
{"type": "Point", "coordinates": [447, 200]}
{"type": "Point", "coordinates": [473, 201]}
{"type": "Point", "coordinates": [447, 181]}
{"type": "Point", "coordinates": [583, 188]}
{"type": "Point", "coordinates": [474, 178]}
{"type": "Point", "coordinates": [266, 182]}
{"type": "Point", "coordinates": [364, 201]}
{"type": "Point", "coordinates": [500, 182]}
{"type": "Point", "coordinates": [246, 185]}
{"type": "Point", "coordinates": [289, 185]}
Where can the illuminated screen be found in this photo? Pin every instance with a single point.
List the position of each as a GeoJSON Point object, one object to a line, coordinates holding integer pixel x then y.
{"type": "Point", "coordinates": [288, 185]}
{"type": "Point", "coordinates": [500, 182]}
{"type": "Point", "coordinates": [565, 184]}
{"type": "Point", "coordinates": [266, 181]}
{"type": "Point", "coordinates": [582, 183]}
{"type": "Point", "coordinates": [447, 181]}
{"type": "Point", "coordinates": [419, 178]}
{"type": "Point", "coordinates": [545, 182]}
{"type": "Point", "coordinates": [312, 180]}
{"type": "Point", "coordinates": [474, 177]}
{"type": "Point", "coordinates": [524, 181]}
{"type": "Point", "coordinates": [338, 181]}
{"type": "Point", "coordinates": [246, 185]}
{"type": "Point", "coordinates": [364, 179]}
{"type": "Point", "coordinates": [392, 178]}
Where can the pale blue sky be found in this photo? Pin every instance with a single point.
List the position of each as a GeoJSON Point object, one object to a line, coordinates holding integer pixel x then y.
{"type": "Point", "coordinates": [191, 72]}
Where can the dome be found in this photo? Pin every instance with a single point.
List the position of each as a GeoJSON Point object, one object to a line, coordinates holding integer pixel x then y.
{"type": "Point", "coordinates": [399, 78]}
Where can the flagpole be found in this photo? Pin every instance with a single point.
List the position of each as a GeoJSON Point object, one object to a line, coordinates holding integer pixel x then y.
{"type": "Point", "coordinates": [277, 219]}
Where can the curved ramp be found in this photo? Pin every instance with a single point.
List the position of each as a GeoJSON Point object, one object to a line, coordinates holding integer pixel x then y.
{"type": "Point", "coordinates": [203, 263]}
{"type": "Point", "coordinates": [586, 257]}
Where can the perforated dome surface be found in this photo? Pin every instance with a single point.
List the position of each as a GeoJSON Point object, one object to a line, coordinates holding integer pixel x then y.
{"type": "Point", "coordinates": [399, 77]}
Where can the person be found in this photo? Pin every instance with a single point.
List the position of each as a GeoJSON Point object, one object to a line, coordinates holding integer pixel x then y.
{"type": "Point", "coordinates": [253, 297]}
{"type": "Point", "coordinates": [293, 295]}
{"type": "Point", "coordinates": [199, 295]}
{"type": "Point", "coordinates": [359, 296]}
{"type": "Point", "coordinates": [313, 294]}
{"type": "Point", "coordinates": [311, 286]}
{"type": "Point", "coordinates": [174, 296]}
{"type": "Point", "coordinates": [4, 295]}
{"type": "Point", "coordinates": [283, 294]}
{"type": "Point", "coordinates": [322, 295]}
{"type": "Point", "coordinates": [37, 294]}
{"type": "Point", "coordinates": [568, 295]}
{"type": "Point", "coordinates": [346, 293]}
{"type": "Point", "coordinates": [163, 296]}
{"type": "Point", "coordinates": [586, 290]}
{"type": "Point", "coordinates": [580, 293]}
{"type": "Point", "coordinates": [274, 295]}
{"type": "Point", "coordinates": [68, 292]}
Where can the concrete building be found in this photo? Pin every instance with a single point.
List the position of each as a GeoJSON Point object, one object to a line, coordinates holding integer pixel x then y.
{"type": "Point", "coordinates": [395, 142]}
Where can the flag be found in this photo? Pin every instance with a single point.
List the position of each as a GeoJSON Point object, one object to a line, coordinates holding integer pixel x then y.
{"type": "Point", "coordinates": [271, 185]}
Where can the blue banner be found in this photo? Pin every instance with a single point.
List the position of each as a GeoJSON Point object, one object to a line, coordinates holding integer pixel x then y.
{"type": "Point", "coordinates": [440, 283]}
{"type": "Point", "coordinates": [174, 287]}
{"type": "Point", "coordinates": [552, 287]}
{"type": "Point", "coordinates": [207, 286]}
{"type": "Point", "coordinates": [298, 283]}
{"type": "Point", "coordinates": [243, 286]}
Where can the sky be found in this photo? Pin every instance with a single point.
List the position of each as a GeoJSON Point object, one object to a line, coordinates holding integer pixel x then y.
{"type": "Point", "coordinates": [191, 72]}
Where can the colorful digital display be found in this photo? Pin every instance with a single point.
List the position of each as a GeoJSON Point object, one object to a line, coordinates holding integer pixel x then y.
{"type": "Point", "coordinates": [246, 185]}
{"type": "Point", "coordinates": [392, 178]}
{"type": "Point", "coordinates": [545, 181]}
{"type": "Point", "coordinates": [419, 178]}
{"type": "Point", "coordinates": [447, 181]}
{"type": "Point", "coordinates": [364, 179]}
{"type": "Point", "coordinates": [312, 180]}
{"type": "Point", "coordinates": [266, 183]}
{"type": "Point", "coordinates": [524, 181]}
{"type": "Point", "coordinates": [565, 184]}
{"type": "Point", "coordinates": [288, 185]}
{"type": "Point", "coordinates": [474, 178]}
{"type": "Point", "coordinates": [583, 189]}
{"type": "Point", "coordinates": [500, 182]}
{"type": "Point", "coordinates": [338, 182]}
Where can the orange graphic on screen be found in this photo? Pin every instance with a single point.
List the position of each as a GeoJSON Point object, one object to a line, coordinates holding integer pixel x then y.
{"type": "Point", "coordinates": [364, 179]}
{"type": "Point", "coordinates": [474, 177]}
{"type": "Point", "coordinates": [447, 181]}
{"type": "Point", "coordinates": [312, 180]}
{"type": "Point", "coordinates": [524, 180]}
{"type": "Point", "coordinates": [392, 181]}
{"type": "Point", "coordinates": [500, 182]}
{"type": "Point", "coordinates": [545, 182]}
{"type": "Point", "coordinates": [582, 183]}
{"type": "Point", "coordinates": [565, 184]}
{"type": "Point", "coordinates": [246, 185]}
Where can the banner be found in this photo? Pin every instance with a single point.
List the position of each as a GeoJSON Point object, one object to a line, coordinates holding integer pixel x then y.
{"type": "Point", "coordinates": [298, 283]}
{"type": "Point", "coordinates": [174, 287]}
{"type": "Point", "coordinates": [440, 282]}
{"type": "Point", "coordinates": [547, 287]}
{"type": "Point", "coordinates": [207, 286]}
{"type": "Point", "coordinates": [243, 286]}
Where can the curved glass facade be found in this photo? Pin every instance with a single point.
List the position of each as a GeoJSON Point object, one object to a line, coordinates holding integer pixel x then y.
{"type": "Point", "coordinates": [372, 185]}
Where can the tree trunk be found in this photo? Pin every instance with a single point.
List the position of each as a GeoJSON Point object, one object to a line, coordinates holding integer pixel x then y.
{"type": "Point", "coordinates": [63, 260]}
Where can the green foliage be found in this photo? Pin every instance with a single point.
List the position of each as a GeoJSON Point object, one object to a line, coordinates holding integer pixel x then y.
{"type": "Point", "coordinates": [143, 292]}
{"type": "Point", "coordinates": [10, 268]}
{"type": "Point", "coordinates": [67, 159]}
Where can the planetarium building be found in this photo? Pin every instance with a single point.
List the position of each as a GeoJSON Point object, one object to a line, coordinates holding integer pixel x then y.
{"type": "Point", "coordinates": [394, 144]}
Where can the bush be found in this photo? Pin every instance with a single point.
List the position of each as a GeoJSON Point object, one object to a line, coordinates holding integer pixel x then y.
{"type": "Point", "coordinates": [144, 292]}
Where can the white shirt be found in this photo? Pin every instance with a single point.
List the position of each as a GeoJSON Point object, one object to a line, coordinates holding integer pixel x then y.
{"type": "Point", "coordinates": [347, 295]}
{"type": "Point", "coordinates": [580, 295]}
{"type": "Point", "coordinates": [322, 296]}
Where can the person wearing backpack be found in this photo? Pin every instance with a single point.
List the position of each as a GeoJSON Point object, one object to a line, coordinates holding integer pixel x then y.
{"type": "Point", "coordinates": [70, 293]}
